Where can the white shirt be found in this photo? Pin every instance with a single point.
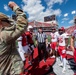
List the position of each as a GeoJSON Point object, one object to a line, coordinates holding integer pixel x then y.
{"type": "Point", "coordinates": [61, 39]}
{"type": "Point", "coordinates": [54, 36]}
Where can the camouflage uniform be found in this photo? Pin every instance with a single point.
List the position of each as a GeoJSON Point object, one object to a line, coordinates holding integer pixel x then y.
{"type": "Point", "coordinates": [10, 61]}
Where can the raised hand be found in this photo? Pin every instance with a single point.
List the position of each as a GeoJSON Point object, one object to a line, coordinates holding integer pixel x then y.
{"type": "Point", "coordinates": [12, 4]}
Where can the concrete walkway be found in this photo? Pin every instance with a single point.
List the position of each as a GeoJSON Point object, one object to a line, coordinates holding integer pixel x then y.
{"type": "Point", "coordinates": [70, 63]}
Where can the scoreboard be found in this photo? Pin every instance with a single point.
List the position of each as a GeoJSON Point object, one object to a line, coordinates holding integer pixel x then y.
{"type": "Point", "coordinates": [49, 18]}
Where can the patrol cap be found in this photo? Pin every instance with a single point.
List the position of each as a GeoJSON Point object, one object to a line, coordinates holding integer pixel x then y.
{"type": "Point", "coordinates": [3, 16]}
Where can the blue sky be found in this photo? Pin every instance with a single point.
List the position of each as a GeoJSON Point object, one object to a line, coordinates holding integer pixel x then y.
{"type": "Point", "coordinates": [37, 9]}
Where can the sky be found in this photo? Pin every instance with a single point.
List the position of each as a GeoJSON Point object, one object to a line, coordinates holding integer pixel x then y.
{"type": "Point", "coordinates": [65, 10]}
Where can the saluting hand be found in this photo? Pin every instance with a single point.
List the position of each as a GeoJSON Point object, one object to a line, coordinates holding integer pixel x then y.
{"type": "Point", "coordinates": [11, 4]}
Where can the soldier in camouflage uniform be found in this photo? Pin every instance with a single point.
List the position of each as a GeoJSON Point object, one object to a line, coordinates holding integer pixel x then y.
{"type": "Point", "coordinates": [10, 61]}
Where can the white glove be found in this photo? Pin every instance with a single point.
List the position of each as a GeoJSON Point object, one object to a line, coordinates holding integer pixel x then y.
{"type": "Point", "coordinates": [50, 45]}
{"type": "Point", "coordinates": [63, 51]}
{"type": "Point", "coordinates": [56, 48]}
{"type": "Point", "coordinates": [48, 42]}
{"type": "Point", "coordinates": [32, 47]}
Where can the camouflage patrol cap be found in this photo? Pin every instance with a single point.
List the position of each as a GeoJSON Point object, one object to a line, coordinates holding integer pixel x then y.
{"type": "Point", "coordinates": [3, 16]}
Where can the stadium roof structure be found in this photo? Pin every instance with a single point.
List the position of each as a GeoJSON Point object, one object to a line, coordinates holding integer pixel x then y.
{"type": "Point", "coordinates": [69, 30]}
{"type": "Point", "coordinates": [41, 24]}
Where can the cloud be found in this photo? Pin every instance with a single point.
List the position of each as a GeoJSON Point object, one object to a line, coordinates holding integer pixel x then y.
{"type": "Point", "coordinates": [66, 1]}
{"type": "Point", "coordinates": [65, 19]}
{"type": "Point", "coordinates": [6, 8]}
{"type": "Point", "coordinates": [71, 21]}
{"type": "Point", "coordinates": [9, 16]}
{"type": "Point", "coordinates": [73, 12]}
{"type": "Point", "coordinates": [37, 11]}
{"type": "Point", "coordinates": [65, 15]}
{"type": "Point", "coordinates": [50, 3]}
{"type": "Point", "coordinates": [62, 22]}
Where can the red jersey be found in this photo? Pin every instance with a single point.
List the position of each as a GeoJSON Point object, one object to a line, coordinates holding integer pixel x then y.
{"type": "Point", "coordinates": [29, 37]}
